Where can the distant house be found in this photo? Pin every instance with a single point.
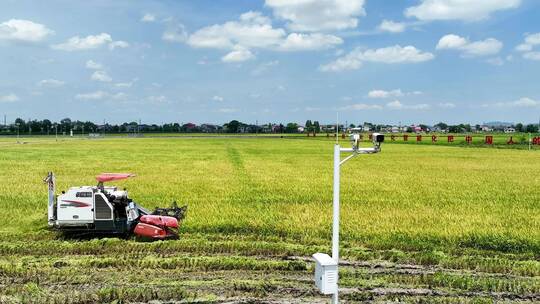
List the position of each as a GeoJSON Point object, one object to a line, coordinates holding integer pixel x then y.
{"type": "Point", "coordinates": [395, 129]}
{"type": "Point", "coordinates": [509, 130]}
{"type": "Point", "coordinates": [328, 128]}
{"type": "Point", "coordinates": [486, 129]}
{"type": "Point", "coordinates": [266, 128]}
{"type": "Point", "coordinates": [209, 128]}
{"type": "Point", "coordinates": [356, 130]}
{"type": "Point", "coordinates": [301, 129]}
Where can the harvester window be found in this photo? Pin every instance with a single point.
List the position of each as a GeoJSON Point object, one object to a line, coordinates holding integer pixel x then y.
{"type": "Point", "coordinates": [84, 194]}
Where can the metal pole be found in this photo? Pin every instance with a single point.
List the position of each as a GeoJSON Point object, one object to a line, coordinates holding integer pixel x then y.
{"type": "Point", "coordinates": [335, 221]}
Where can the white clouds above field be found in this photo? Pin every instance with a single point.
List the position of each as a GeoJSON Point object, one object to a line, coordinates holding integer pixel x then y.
{"type": "Point", "coordinates": [255, 31]}
{"type": "Point", "coordinates": [51, 83]}
{"type": "Point", "coordinates": [101, 76]}
{"type": "Point", "coordinates": [318, 15]}
{"type": "Point", "coordinates": [24, 30]}
{"type": "Point", "coordinates": [9, 98]}
{"type": "Point", "coordinates": [89, 42]}
{"type": "Point", "coordinates": [485, 47]}
{"type": "Point", "coordinates": [530, 47]}
{"type": "Point", "coordinates": [524, 102]}
{"type": "Point", "coordinates": [100, 95]}
{"type": "Point", "coordinates": [389, 55]}
{"type": "Point", "coordinates": [465, 10]}
{"type": "Point", "coordinates": [392, 93]}
{"type": "Point", "coordinates": [392, 27]}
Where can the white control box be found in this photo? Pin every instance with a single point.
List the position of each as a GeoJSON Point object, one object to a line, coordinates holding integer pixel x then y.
{"type": "Point", "coordinates": [326, 274]}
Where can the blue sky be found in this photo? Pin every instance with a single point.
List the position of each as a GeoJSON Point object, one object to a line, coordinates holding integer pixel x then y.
{"type": "Point", "coordinates": [413, 61]}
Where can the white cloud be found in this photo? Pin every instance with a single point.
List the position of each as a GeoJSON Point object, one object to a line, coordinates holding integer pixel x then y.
{"type": "Point", "coordinates": [9, 98]}
{"type": "Point", "coordinates": [318, 15]}
{"type": "Point", "coordinates": [497, 61]}
{"type": "Point", "coordinates": [175, 33]}
{"type": "Point", "coordinates": [392, 27]}
{"type": "Point", "coordinates": [532, 55]}
{"type": "Point", "coordinates": [89, 42]}
{"type": "Point", "coordinates": [23, 30]}
{"type": "Point", "coordinates": [227, 110]}
{"type": "Point", "coordinates": [101, 76]}
{"type": "Point", "coordinates": [524, 102]}
{"type": "Point", "coordinates": [148, 18]}
{"type": "Point", "coordinates": [531, 41]}
{"type": "Point", "coordinates": [393, 105]}
{"type": "Point", "coordinates": [253, 30]}
{"type": "Point", "coordinates": [385, 94]}
{"type": "Point", "coordinates": [397, 105]}
{"type": "Point", "coordinates": [51, 83]}
{"type": "Point", "coordinates": [90, 64]}
{"type": "Point", "coordinates": [118, 44]}
{"type": "Point", "coordinates": [524, 47]}
{"type": "Point", "coordinates": [100, 95]}
{"type": "Point", "coordinates": [389, 55]}
{"type": "Point", "coordinates": [302, 42]}
{"type": "Point", "coordinates": [447, 105]}
{"type": "Point", "coordinates": [263, 67]}
{"type": "Point", "coordinates": [217, 98]}
{"type": "Point", "coordinates": [239, 54]}
{"type": "Point", "coordinates": [157, 99]}
{"type": "Point", "coordinates": [465, 10]}
{"type": "Point", "coordinates": [92, 96]}
{"type": "Point", "coordinates": [126, 84]}
{"type": "Point", "coordinates": [485, 47]}
{"type": "Point", "coordinates": [362, 106]}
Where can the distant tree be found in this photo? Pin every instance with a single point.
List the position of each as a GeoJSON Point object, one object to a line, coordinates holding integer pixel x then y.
{"type": "Point", "coordinates": [309, 126]}
{"type": "Point", "coordinates": [409, 129]}
{"type": "Point", "coordinates": [65, 124]}
{"type": "Point", "coordinates": [233, 126]}
{"type": "Point", "coordinates": [291, 128]}
{"type": "Point", "coordinates": [442, 126]}
{"type": "Point", "coordinates": [532, 128]}
{"type": "Point", "coordinates": [47, 125]}
{"type": "Point", "coordinates": [454, 129]}
{"type": "Point", "coordinates": [20, 124]}
{"type": "Point", "coordinates": [519, 127]}
{"type": "Point", "coordinates": [316, 126]}
{"type": "Point", "coordinates": [424, 127]}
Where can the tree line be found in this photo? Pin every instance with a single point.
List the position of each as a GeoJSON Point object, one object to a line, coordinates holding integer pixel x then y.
{"type": "Point", "coordinates": [66, 126]}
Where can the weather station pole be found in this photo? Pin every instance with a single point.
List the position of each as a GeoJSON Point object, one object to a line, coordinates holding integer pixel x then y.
{"type": "Point", "coordinates": [326, 267]}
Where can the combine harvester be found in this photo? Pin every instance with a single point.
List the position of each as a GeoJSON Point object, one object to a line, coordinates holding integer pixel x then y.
{"type": "Point", "coordinates": [106, 210]}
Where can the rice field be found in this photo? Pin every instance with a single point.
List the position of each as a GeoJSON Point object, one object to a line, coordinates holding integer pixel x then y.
{"type": "Point", "coordinates": [419, 223]}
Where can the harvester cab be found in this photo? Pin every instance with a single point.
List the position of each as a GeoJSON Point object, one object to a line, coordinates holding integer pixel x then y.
{"type": "Point", "coordinates": [108, 210]}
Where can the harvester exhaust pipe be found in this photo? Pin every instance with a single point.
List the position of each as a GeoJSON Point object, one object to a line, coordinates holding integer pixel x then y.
{"type": "Point", "coordinates": [50, 180]}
